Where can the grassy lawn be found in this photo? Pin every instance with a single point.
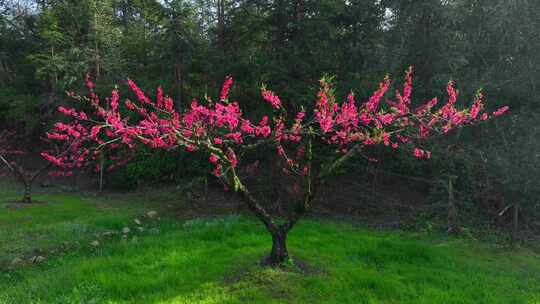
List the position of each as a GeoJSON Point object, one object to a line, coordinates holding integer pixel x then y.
{"type": "Point", "coordinates": [214, 260]}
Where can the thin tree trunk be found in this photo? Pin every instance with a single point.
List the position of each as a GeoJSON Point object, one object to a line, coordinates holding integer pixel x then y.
{"type": "Point", "coordinates": [452, 212]}
{"type": "Point", "coordinates": [179, 83]}
{"type": "Point", "coordinates": [27, 198]}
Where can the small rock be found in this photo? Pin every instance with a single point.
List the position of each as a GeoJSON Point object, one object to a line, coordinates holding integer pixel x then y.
{"type": "Point", "coordinates": [16, 261]}
{"type": "Point", "coordinates": [108, 233]}
{"type": "Point", "coordinates": [154, 231]}
{"type": "Point", "coordinates": [126, 230]}
{"type": "Point", "coordinates": [94, 243]}
{"type": "Point", "coordinates": [137, 221]}
{"type": "Point", "coordinates": [140, 229]}
{"type": "Point", "coordinates": [151, 214]}
{"type": "Point", "coordinates": [37, 259]}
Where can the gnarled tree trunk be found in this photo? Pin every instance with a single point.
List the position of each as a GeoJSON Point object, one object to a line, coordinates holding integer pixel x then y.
{"type": "Point", "coordinates": [279, 253]}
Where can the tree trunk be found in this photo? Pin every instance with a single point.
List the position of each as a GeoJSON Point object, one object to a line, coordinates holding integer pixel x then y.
{"type": "Point", "coordinates": [453, 227]}
{"type": "Point", "coordinates": [27, 198]}
{"type": "Point", "coordinates": [101, 168]}
{"type": "Point", "coordinates": [279, 253]}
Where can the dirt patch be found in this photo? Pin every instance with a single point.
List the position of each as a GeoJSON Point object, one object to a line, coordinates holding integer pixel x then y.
{"type": "Point", "coordinates": [303, 267]}
{"type": "Point", "coordinates": [19, 204]}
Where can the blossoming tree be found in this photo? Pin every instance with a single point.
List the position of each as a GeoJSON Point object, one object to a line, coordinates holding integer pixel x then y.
{"type": "Point", "coordinates": [220, 129]}
{"type": "Point", "coordinates": [10, 158]}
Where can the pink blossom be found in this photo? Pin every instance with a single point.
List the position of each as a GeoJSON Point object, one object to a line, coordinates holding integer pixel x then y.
{"type": "Point", "coordinates": [94, 132]}
{"type": "Point", "coordinates": [217, 171]}
{"type": "Point", "coordinates": [386, 119]}
{"type": "Point", "coordinates": [350, 98]}
{"type": "Point", "coordinates": [130, 105]}
{"type": "Point", "coordinates": [280, 150]}
{"type": "Point", "coordinates": [56, 136]}
{"type": "Point", "coordinates": [475, 109]}
{"type": "Point", "coordinates": [501, 111]}
{"type": "Point", "coordinates": [263, 131]}
{"type": "Point", "coordinates": [246, 127]}
{"type": "Point", "coordinates": [271, 98]}
{"type": "Point", "coordinates": [369, 141]}
{"type": "Point", "coordinates": [341, 125]}
{"type": "Point", "coordinates": [373, 102]}
{"type": "Point", "coordinates": [323, 100]}
{"type": "Point", "coordinates": [326, 124]}
{"type": "Point", "coordinates": [419, 153]}
{"type": "Point", "coordinates": [386, 139]}
{"type": "Point", "coordinates": [138, 92]}
{"type": "Point", "coordinates": [226, 87]}
{"type": "Point", "coordinates": [365, 118]}
{"type": "Point", "coordinates": [88, 82]}
{"type": "Point", "coordinates": [57, 161]}
{"type": "Point", "coordinates": [424, 131]}
{"type": "Point", "coordinates": [452, 93]}
{"type": "Point", "coordinates": [169, 104]}
{"type": "Point", "coordinates": [264, 121]}
{"type": "Point", "coordinates": [66, 111]}
{"type": "Point", "coordinates": [232, 158]}
{"type": "Point", "coordinates": [236, 136]}
{"type": "Point", "coordinates": [114, 100]}
{"type": "Point", "coordinates": [159, 98]}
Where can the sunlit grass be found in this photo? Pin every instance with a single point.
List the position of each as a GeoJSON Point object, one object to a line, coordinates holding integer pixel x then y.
{"type": "Point", "coordinates": [214, 260]}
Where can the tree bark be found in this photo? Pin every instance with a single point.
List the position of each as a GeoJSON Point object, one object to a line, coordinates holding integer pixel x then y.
{"type": "Point", "coordinates": [279, 252]}
{"type": "Point", "coordinates": [27, 198]}
{"type": "Point", "coordinates": [453, 227]}
{"type": "Point", "coordinates": [279, 232]}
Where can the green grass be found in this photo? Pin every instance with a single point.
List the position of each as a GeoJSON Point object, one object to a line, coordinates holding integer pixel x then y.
{"type": "Point", "coordinates": [214, 260]}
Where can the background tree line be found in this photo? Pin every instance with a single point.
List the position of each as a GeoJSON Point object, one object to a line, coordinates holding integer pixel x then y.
{"type": "Point", "coordinates": [189, 46]}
